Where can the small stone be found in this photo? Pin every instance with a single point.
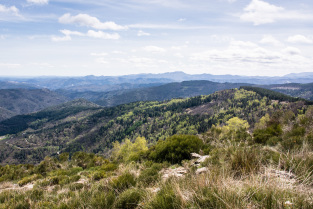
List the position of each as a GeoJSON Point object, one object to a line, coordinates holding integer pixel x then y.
{"type": "Point", "coordinates": [202, 170]}
{"type": "Point", "coordinates": [288, 203]}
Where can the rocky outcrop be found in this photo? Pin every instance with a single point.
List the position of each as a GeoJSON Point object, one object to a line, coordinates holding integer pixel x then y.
{"type": "Point", "coordinates": [199, 158]}
{"type": "Point", "coordinates": [176, 172]}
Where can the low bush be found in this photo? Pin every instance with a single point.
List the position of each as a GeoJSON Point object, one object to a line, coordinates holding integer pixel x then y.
{"type": "Point", "coordinates": [175, 148]}
{"type": "Point", "coordinates": [165, 199]}
{"type": "Point", "coordinates": [76, 186]}
{"type": "Point", "coordinates": [29, 179]}
{"type": "Point", "coordinates": [99, 175]}
{"type": "Point", "coordinates": [124, 181]}
{"type": "Point", "coordinates": [150, 175]}
{"type": "Point", "coordinates": [245, 160]}
{"type": "Point", "coordinates": [129, 199]}
{"type": "Point", "coordinates": [103, 200]}
{"type": "Point", "coordinates": [109, 167]}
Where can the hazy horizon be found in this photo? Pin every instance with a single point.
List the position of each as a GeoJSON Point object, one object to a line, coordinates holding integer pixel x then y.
{"type": "Point", "coordinates": [116, 38]}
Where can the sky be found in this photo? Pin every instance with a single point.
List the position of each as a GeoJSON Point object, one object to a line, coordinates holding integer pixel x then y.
{"type": "Point", "coordinates": [120, 37]}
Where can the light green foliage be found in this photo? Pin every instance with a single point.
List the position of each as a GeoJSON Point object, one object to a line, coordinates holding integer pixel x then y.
{"type": "Point", "coordinates": [128, 151]}
{"type": "Point", "coordinates": [243, 94]}
{"type": "Point", "coordinates": [29, 179]}
{"type": "Point", "coordinates": [235, 124]}
{"type": "Point", "coordinates": [263, 121]}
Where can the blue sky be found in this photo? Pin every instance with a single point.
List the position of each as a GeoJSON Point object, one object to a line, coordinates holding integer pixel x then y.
{"type": "Point", "coordinates": [118, 37]}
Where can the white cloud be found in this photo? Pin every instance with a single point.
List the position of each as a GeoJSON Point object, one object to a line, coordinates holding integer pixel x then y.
{"type": "Point", "coordinates": [42, 64]}
{"type": "Point", "coordinates": [166, 26]}
{"type": "Point", "coordinates": [89, 21]}
{"type": "Point", "coordinates": [90, 33]}
{"type": "Point", "coordinates": [270, 40]}
{"type": "Point", "coordinates": [69, 33]}
{"type": "Point", "coordinates": [10, 65]}
{"type": "Point", "coordinates": [9, 10]}
{"type": "Point", "coordinates": [261, 12]}
{"type": "Point", "coordinates": [155, 49]}
{"type": "Point", "coordinates": [103, 35]}
{"type": "Point", "coordinates": [292, 51]}
{"type": "Point", "coordinates": [101, 60]}
{"type": "Point", "coordinates": [99, 54]}
{"type": "Point", "coordinates": [247, 58]}
{"type": "Point", "coordinates": [67, 36]}
{"type": "Point", "coordinates": [63, 38]}
{"type": "Point", "coordinates": [299, 39]}
{"type": "Point", "coordinates": [239, 52]}
{"type": "Point", "coordinates": [142, 33]}
{"type": "Point", "coordinates": [38, 1]}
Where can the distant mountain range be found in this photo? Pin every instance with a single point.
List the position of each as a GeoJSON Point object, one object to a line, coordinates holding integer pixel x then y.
{"type": "Point", "coordinates": [110, 83]}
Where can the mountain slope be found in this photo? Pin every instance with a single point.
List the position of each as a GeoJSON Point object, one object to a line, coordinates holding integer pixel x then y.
{"type": "Point", "coordinates": [94, 129]}
{"type": "Point", "coordinates": [16, 85]}
{"type": "Point", "coordinates": [23, 101]}
{"type": "Point", "coordinates": [293, 89]}
{"type": "Point", "coordinates": [156, 93]}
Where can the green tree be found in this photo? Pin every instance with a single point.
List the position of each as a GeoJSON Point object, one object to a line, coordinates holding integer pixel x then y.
{"type": "Point", "coordinates": [235, 124]}
{"type": "Point", "coordinates": [128, 151]}
{"type": "Point", "coordinates": [175, 148]}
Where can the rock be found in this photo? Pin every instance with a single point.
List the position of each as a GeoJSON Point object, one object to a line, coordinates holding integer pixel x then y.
{"type": "Point", "coordinates": [176, 172]}
{"type": "Point", "coordinates": [195, 155]}
{"type": "Point", "coordinates": [288, 203]}
{"type": "Point", "coordinates": [199, 158]}
{"type": "Point", "coordinates": [154, 189]}
{"type": "Point", "coordinates": [202, 170]}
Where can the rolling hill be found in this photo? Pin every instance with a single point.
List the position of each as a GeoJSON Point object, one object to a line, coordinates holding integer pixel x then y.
{"type": "Point", "coordinates": [23, 101]}
{"type": "Point", "coordinates": [156, 93]}
{"type": "Point", "coordinates": [76, 127]}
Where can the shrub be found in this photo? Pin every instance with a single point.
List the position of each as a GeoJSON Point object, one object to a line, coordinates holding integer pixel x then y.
{"type": "Point", "coordinates": [175, 148]}
{"type": "Point", "coordinates": [29, 179]}
{"type": "Point", "coordinates": [75, 170]}
{"type": "Point", "coordinates": [128, 151]}
{"type": "Point", "coordinates": [98, 175]}
{"type": "Point", "coordinates": [292, 142]}
{"type": "Point", "coordinates": [76, 186]}
{"type": "Point", "coordinates": [36, 194]}
{"type": "Point", "coordinates": [272, 141]}
{"type": "Point", "coordinates": [165, 199]}
{"type": "Point", "coordinates": [129, 199]}
{"type": "Point", "coordinates": [103, 200]}
{"type": "Point", "coordinates": [109, 167]}
{"type": "Point", "coordinates": [124, 181]}
{"type": "Point", "coordinates": [261, 136]}
{"type": "Point", "coordinates": [245, 160]}
{"type": "Point", "coordinates": [150, 175]}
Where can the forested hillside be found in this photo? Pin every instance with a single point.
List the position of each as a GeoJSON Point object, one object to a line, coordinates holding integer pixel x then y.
{"type": "Point", "coordinates": [293, 89]}
{"type": "Point", "coordinates": [151, 92]}
{"type": "Point", "coordinates": [94, 129]}
{"type": "Point", "coordinates": [23, 101]}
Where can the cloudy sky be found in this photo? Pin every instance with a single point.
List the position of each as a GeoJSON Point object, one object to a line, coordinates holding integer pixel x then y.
{"type": "Point", "coordinates": [118, 37]}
